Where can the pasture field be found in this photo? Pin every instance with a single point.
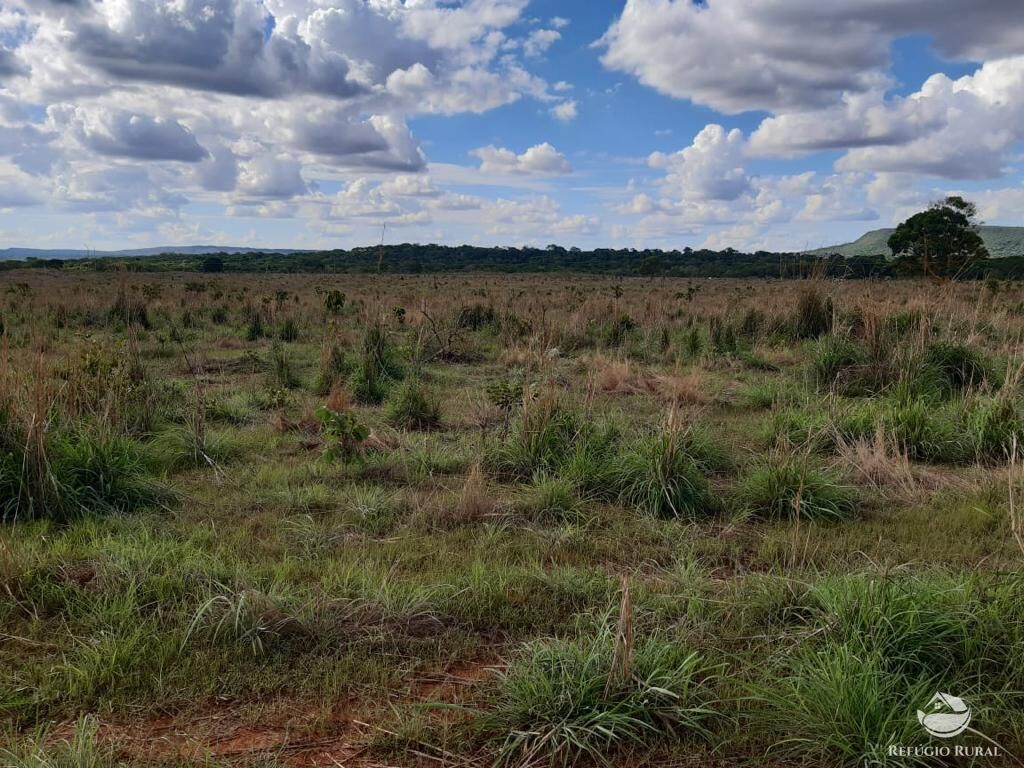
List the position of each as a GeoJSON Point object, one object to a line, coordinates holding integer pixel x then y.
{"type": "Point", "coordinates": [266, 520]}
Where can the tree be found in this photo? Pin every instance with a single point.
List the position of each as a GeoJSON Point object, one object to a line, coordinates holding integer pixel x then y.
{"type": "Point", "coordinates": [213, 264]}
{"type": "Point", "coordinates": [942, 241]}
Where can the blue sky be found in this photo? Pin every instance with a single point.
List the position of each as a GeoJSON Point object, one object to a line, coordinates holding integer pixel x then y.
{"type": "Point", "coordinates": [780, 124]}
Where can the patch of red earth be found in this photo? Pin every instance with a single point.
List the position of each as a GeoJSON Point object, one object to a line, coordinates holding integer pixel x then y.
{"type": "Point", "coordinates": [295, 733]}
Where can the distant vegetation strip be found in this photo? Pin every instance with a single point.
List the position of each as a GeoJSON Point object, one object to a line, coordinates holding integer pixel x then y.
{"type": "Point", "coordinates": [416, 259]}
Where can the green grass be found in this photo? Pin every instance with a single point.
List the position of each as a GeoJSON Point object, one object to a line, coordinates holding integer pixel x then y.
{"type": "Point", "coordinates": [197, 553]}
{"type": "Point", "coordinates": [793, 486]}
{"type": "Point", "coordinates": [560, 703]}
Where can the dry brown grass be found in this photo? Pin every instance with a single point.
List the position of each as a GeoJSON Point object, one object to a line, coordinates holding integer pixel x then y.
{"type": "Point", "coordinates": [475, 501]}
{"type": "Point", "coordinates": [616, 376]}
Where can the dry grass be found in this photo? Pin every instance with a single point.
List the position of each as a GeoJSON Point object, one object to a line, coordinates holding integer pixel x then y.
{"type": "Point", "coordinates": [879, 463]}
{"type": "Point", "coordinates": [475, 500]}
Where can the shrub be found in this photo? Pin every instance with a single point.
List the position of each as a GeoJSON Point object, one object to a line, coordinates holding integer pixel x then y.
{"type": "Point", "coordinates": [558, 702]}
{"type": "Point", "coordinates": [413, 407]}
{"type": "Point", "coordinates": [788, 485]}
{"type": "Point", "coordinates": [343, 434]}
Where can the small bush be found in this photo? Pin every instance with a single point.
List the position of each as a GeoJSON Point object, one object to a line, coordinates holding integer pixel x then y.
{"type": "Point", "coordinates": [413, 407]}
{"type": "Point", "coordinates": [343, 433]}
{"type": "Point", "coordinates": [790, 486]}
{"type": "Point", "coordinates": [555, 705]}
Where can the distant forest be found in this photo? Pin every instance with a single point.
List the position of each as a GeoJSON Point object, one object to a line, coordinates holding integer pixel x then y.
{"type": "Point", "coordinates": [415, 259]}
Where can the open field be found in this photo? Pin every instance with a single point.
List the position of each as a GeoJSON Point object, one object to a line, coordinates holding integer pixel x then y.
{"type": "Point", "coordinates": [307, 520]}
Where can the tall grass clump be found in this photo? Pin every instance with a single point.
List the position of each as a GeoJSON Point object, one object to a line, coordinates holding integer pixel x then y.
{"type": "Point", "coordinates": [991, 425]}
{"type": "Point", "coordinates": [542, 438]}
{"type": "Point", "coordinates": [562, 702]}
{"type": "Point", "coordinates": [77, 751]}
{"type": "Point", "coordinates": [377, 367]}
{"type": "Point", "coordinates": [413, 406]}
{"type": "Point", "coordinates": [813, 314]}
{"type": "Point", "coordinates": [663, 473]}
{"type": "Point", "coordinates": [836, 362]}
{"type": "Point", "coordinates": [62, 471]}
{"type": "Point", "coordinates": [954, 368]}
{"type": "Point", "coordinates": [926, 431]}
{"type": "Point", "coordinates": [550, 498]}
{"type": "Point", "coordinates": [789, 485]}
{"type": "Point", "coordinates": [876, 649]}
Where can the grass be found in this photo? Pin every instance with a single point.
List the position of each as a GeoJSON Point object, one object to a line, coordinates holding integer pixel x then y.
{"type": "Point", "coordinates": [793, 486]}
{"type": "Point", "coordinates": [286, 506]}
{"type": "Point", "coordinates": [559, 702]}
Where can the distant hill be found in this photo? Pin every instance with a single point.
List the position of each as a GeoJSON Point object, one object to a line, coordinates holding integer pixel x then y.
{"type": "Point", "coordinates": [1000, 241]}
{"type": "Point", "coordinates": [187, 250]}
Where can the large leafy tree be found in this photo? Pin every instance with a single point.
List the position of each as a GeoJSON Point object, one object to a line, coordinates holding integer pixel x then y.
{"type": "Point", "coordinates": [941, 242]}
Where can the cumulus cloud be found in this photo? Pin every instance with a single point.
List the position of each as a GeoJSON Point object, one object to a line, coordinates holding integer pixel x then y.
{"type": "Point", "coordinates": [123, 134]}
{"type": "Point", "coordinates": [777, 55]}
{"type": "Point", "coordinates": [271, 176]}
{"type": "Point", "coordinates": [711, 168]}
{"type": "Point", "coordinates": [565, 112]}
{"type": "Point", "coordinates": [261, 98]}
{"type": "Point", "coordinates": [541, 159]}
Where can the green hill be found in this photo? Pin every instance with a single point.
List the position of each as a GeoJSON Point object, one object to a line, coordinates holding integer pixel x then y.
{"type": "Point", "coordinates": [1000, 241]}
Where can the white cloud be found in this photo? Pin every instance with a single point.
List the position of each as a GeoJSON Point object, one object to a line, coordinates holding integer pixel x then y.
{"type": "Point", "coordinates": [565, 112]}
{"type": "Point", "coordinates": [271, 176]}
{"type": "Point", "coordinates": [709, 169]}
{"type": "Point", "coordinates": [542, 159]}
{"type": "Point", "coordinates": [738, 55]}
{"type": "Point", "coordinates": [538, 42]}
{"type": "Point", "coordinates": [124, 134]}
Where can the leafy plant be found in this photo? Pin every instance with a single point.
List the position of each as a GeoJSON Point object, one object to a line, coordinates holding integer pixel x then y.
{"type": "Point", "coordinates": [343, 433]}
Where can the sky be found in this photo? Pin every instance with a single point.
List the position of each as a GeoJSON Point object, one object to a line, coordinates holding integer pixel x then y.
{"type": "Point", "coordinates": [752, 124]}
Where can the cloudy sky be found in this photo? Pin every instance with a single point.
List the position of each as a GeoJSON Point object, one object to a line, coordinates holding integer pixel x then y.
{"type": "Point", "coordinates": [781, 124]}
